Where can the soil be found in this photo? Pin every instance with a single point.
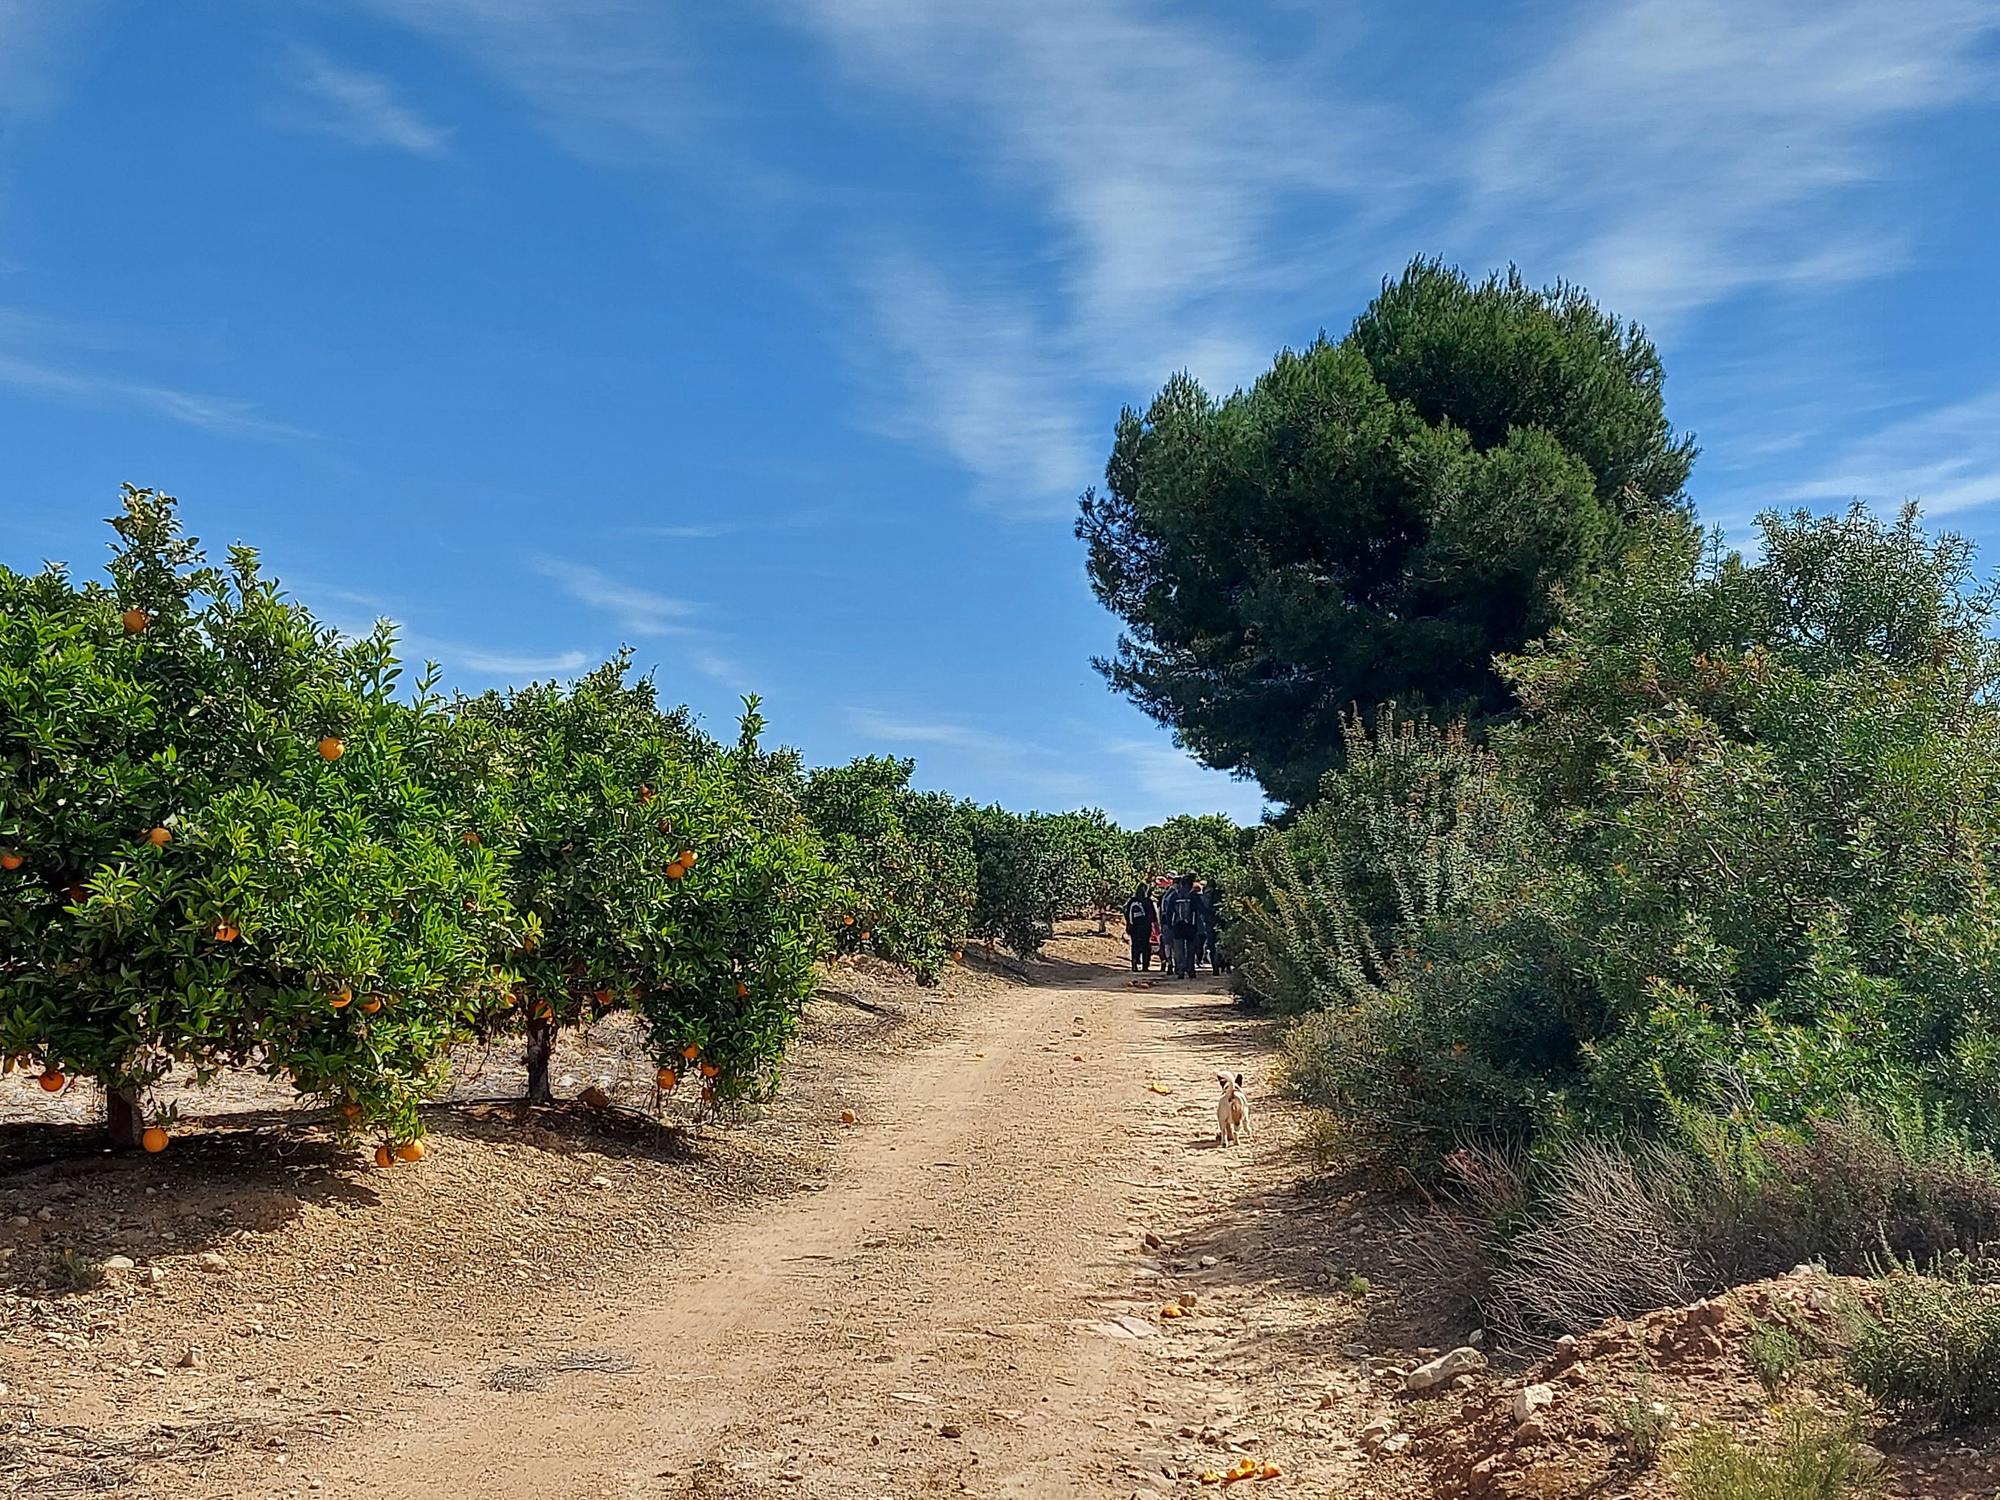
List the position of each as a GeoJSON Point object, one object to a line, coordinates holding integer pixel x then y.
{"type": "Point", "coordinates": [965, 1291]}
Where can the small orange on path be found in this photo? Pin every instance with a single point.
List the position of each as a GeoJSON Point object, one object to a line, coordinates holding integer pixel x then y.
{"type": "Point", "coordinates": [154, 1139]}
{"type": "Point", "coordinates": [847, 1117]}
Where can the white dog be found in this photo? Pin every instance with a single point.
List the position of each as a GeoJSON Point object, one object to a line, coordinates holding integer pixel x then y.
{"type": "Point", "coordinates": [1232, 1110]}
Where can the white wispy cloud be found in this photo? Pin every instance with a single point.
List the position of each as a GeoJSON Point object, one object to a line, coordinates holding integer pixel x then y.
{"type": "Point", "coordinates": [638, 610]}
{"type": "Point", "coordinates": [359, 107]}
{"type": "Point", "coordinates": [511, 665]}
{"type": "Point", "coordinates": [895, 730]}
{"type": "Point", "coordinates": [1947, 460]}
{"type": "Point", "coordinates": [604, 76]}
{"type": "Point", "coordinates": [1672, 153]}
{"type": "Point", "coordinates": [226, 414]}
{"type": "Point", "coordinates": [1172, 778]}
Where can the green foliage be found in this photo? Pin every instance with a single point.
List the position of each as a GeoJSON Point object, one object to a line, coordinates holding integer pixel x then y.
{"type": "Point", "coordinates": [1412, 827]}
{"type": "Point", "coordinates": [905, 859]}
{"type": "Point", "coordinates": [1930, 1354]}
{"type": "Point", "coordinates": [661, 875]}
{"type": "Point", "coordinates": [193, 700]}
{"type": "Point", "coordinates": [1774, 1353]}
{"type": "Point", "coordinates": [1374, 519]}
{"type": "Point", "coordinates": [1809, 1462]}
{"type": "Point", "coordinates": [1037, 868]}
{"type": "Point", "coordinates": [1643, 1421]}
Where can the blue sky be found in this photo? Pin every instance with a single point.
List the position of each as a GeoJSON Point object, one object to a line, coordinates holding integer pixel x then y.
{"type": "Point", "coordinates": [778, 337]}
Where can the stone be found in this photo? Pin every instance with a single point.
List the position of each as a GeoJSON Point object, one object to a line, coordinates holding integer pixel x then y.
{"type": "Point", "coordinates": [1153, 1241]}
{"type": "Point", "coordinates": [1531, 1431]}
{"type": "Point", "coordinates": [951, 1430]}
{"type": "Point", "coordinates": [1577, 1374]}
{"type": "Point", "coordinates": [1477, 1338]}
{"type": "Point", "coordinates": [156, 1276]}
{"type": "Point", "coordinates": [117, 1263]}
{"type": "Point", "coordinates": [1463, 1383]}
{"type": "Point", "coordinates": [1395, 1443]}
{"type": "Point", "coordinates": [1208, 1263]}
{"type": "Point", "coordinates": [1459, 1361]}
{"type": "Point", "coordinates": [1530, 1399]}
{"type": "Point", "coordinates": [600, 1181]}
{"type": "Point", "coordinates": [1354, 1351]}
{"type": "Point", "coordinates": [213, 1261]}
{"type": "Point", "coordinates": [191, 1358]}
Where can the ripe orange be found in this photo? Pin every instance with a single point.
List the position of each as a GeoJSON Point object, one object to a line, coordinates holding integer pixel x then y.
{"type": "Point", "coordinates": [154, 1140]}
{"type": "Point", "coordinates": [225, 933]}
{"type": "Point", "coordinates": [159, 837]}
{"type": "Point", "coordinates": [691, 1051]}
{"type": "Point", "coordinates": [676, 870]}
{"type": "Point", "coordinates": [410, 1151]}
{"type": "Point", "coordinates": [372, 1004]}
{"type": "Point", "coordinates": [135, 620]}
{"type": "Point", "coordinates": [710, 1070]}
{"type": "Point", "coordinates": [383, 1158]}
{"type": "Point", "coordinates": [958, 955]}
{"type": "Point", "coordinates": [471, 838]}
{"type": "Point", "coordinates": [687, 858]}
{"type": "Point", "coordinates": [742, 990]}
{"type": "Point", "coordinates": [645, 795]}
{"type": "Point", "coordinates": [667, 1079]}
{"type": "Point", "coordinates": [604, 997]}
{"type": "Point", "coordinates": [10, 861]}
{"type": "Point", "coordinates": [847, 921]}
{"type": "Point", "coordinates": [340, 998]}
{"type": "Point", "coordinates": [331, 748]}
{"type": "Point", "coordinates": [52, 1081]}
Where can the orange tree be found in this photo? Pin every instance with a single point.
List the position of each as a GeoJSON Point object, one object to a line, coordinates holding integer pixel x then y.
{"type": "Point", "coordinates": [905, 859]}
{"type": "Point", "coordinates": [225, 842]}
{"type": "Point", "coordinates": [659, 878]}
{"type": "Point", "coordinates": [1037, 867]}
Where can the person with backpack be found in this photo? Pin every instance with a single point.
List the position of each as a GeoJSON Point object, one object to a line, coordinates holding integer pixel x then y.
{"type": "Point", "coordinates": [1142, 923]}
{"type": "Point", "coordinates": [1180, 916]}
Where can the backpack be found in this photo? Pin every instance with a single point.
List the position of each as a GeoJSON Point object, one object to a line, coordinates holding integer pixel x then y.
{"type": "Point", "coordinates": [1138, 915]}
{"type": "Point", "coordinates": [1178, 913]}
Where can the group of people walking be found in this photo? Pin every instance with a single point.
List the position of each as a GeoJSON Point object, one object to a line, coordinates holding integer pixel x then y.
{"type": "Point", "coordinates": [1175, 921]}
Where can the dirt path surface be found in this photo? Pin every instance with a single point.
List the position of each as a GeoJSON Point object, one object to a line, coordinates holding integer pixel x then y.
{"type": "Point", "coordinates": [967, 1307]}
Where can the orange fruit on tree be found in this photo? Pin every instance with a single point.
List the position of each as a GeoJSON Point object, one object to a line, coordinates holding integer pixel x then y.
{"type": "Point", "coordinates": [847, 921]}
{"type": "Point", "coordinates": [331, 748]}
{"type": "Point", "coordinates": [676, 870]}
{"type": "Point", "coordinates": [667, 1079]}
{"type": "Point", "coordinates": [225, 932]}
{"type": "Point", "coordinates": [135, 620]}
{"type": "Point", "coordinates": [10, 860]}
{"type": "Point", "coordinates": [742, 990]}
{"type": "Point", "coordinates": [645, 795]}
{"type": "Point", "coordinates": [410, 1151]}
{"type": "Point", "coordinates": [383, 1158]}
{"type": "Point", "coordinates": [52, 1081]}
{"type": "Point", "coordinates": [687, 858]}
{"type": "Point", "coordinates": [159, 837]}
{"type": "Point", "coordinates": [471, 838]}
{"type": "Point", "coordinates": [340, 998]}
{"type": "Point", "coordinates": [691, 1051]}
{"type": "Point", "coordinates": [710, 1070]}
{"type": "Point", "coordinates": [372, 1004]}
{"type": "Point", "coordinates": [154, 1139]}
{"type": "Point", "coordinates": [604, 997]}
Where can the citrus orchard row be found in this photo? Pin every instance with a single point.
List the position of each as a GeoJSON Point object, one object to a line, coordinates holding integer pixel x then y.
{"type": "Point", "coordinates": [233, 838]}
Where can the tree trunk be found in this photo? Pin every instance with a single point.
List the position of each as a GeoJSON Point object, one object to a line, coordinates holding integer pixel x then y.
{"type": "Point", "coordinates": [122, 1114]}
{"type": "Point", "coordinates": [541, 1047]}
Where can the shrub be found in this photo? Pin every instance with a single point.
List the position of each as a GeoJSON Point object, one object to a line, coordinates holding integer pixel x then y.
{"type": "Point", "coordinates": [905, 859]}
{"type": "Point", "coordinates": [1930, 1353]}
{"type": "Point", "coordinates": [233, 845]}
{"type": "Point", "coordinates": [639, 853]}
{"type": "Point", "coordinates": [1643, 1422]}
{"type": "Point", "coordinates": [1774, 1353]}
{"type": "Point", "coordinates": [1034, 868]}
{"type": "Point", "coordinates": [1809, 1462]}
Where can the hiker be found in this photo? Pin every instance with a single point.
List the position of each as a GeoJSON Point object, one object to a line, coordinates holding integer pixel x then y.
{"type": "Point", "coordinates": [1142, 925]}
{"type": "Point", "coordinates": [1181, 916]}
{"type": "Point", "coordinates": [1162, 885]}
{"type": "Point", "coordinates": [1204, 942]}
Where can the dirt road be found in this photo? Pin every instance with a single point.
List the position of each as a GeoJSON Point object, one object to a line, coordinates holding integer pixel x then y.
{"type": "Point", "coordinates": [967, 1307]}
